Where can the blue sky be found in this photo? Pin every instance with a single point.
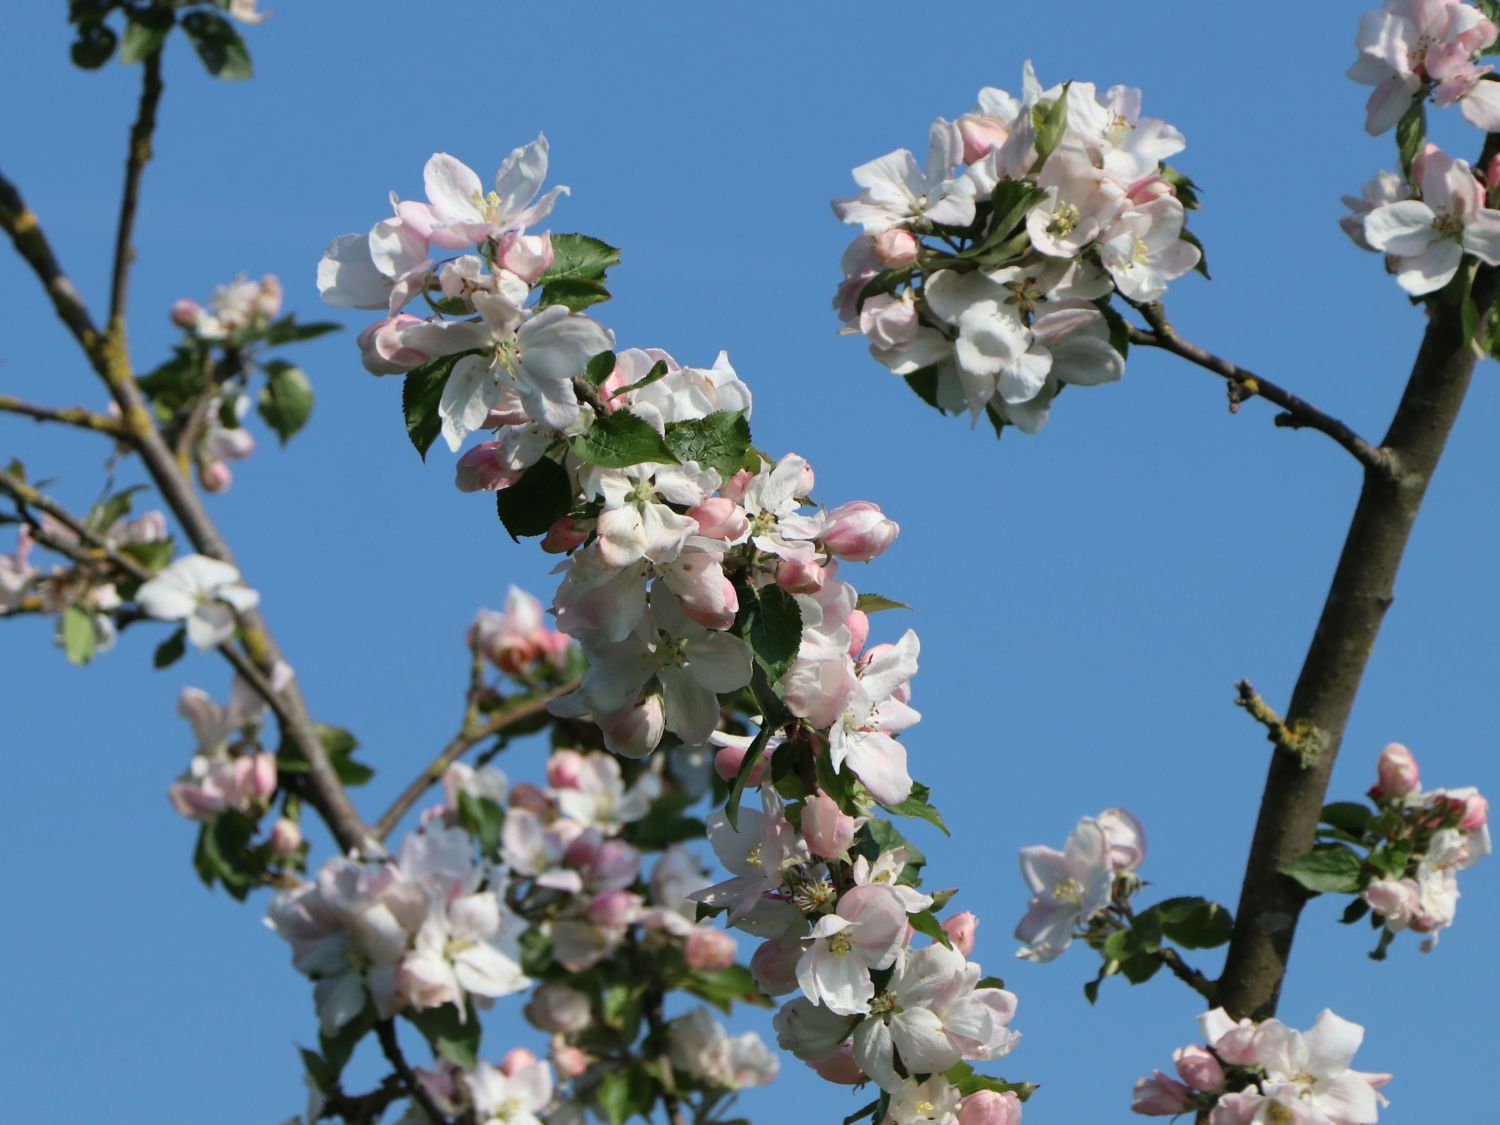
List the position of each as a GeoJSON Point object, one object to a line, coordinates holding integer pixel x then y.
{"type": "Point", "coordinates": [1086, 598]}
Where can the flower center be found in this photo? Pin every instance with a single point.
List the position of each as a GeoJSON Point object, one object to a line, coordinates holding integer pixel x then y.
{"type": "Point", "coordinates": [670, 652]}
{"type": "Point", "coordinates": [1069, 890]}
{"type": "Point", "coordinates": [1064, 220]}
{"type": "Point", "coordinates": [1448, 225]}
{"type": "Point", "coordinates": [839, 943]}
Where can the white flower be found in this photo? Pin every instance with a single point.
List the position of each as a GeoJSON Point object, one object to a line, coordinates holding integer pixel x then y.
{"type": "Point", "coordinates": [204, 592]}
{"type": "Point", "coordinates": [1314, 1066]}
{"type": "Point", "coordinates": [1428, 237]}
{"type": "Point", "coordinates": [865, 932]}
{"type": "Point", "coordinates": [514, 1099]}
{"type": "Point", "coordinates": [1068, 888]}
{"type": "Point", "coordinates": [467, 946]}
{"type": "Point", "coordinates": [897, 190]}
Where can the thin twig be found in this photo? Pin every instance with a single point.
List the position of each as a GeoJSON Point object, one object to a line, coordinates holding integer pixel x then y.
{"type": "Point", "coordinates": [98, 547]}
{"type": "Point", "coordinates": [386, 1031]}
{"type": "Point", "coordinates": [67, 416]}
{"type": "Point", "coordinates": [1186, 973]}
{"type": "Point", "coordinates": [135, 164]}
{"type": "Point", "coordinates": [1244, 384]}
{"type": "Point", "coordinates": [656, 1022]}
{"type": "Point", "coordinates": [461, 743]}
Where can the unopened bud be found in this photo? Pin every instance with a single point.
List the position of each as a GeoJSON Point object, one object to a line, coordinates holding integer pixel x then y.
{"type": "Point", "coordinates": [709, 950]}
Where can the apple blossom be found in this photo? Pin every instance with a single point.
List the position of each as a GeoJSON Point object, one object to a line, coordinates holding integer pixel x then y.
{"type": "Point", "coordinates": [204, 592]}
{"type": "Point", "coordinates": [1428, 237]}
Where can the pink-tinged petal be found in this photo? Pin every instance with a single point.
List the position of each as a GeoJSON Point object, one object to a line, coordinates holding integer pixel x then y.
{"type": "Point", "coordinates": [918, 1036]}
{"type": "Point", "coordinates": [521, 174]}
{"type": "Point", "coordinates": [1481, 106]}
{"type": "Point", "coordinates": [1333, 1042]}
{"type": "Point", "coordinates": [1482, 236]}
{"type": "Point", "coordinates": [879, 761]}
{"type": "Point", "coordinates": [1387, 105]}
{"type": "Point", "coordinates": [1403, 228]}
{"type": "Point", "coordinates": [453, 189]}
{"type": "Point", "coordinates": [1431, 270]}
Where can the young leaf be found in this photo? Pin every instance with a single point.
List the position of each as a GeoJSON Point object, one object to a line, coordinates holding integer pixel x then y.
{"type": "Point", "coordinates": [726, 988]}
{"type": "Point", "coordinates": [1050, 119]}
{"type": "Point", "coordinates": [420, 396]}
{"type": "Point", "coordinates": [719, 441]}
{"type": "Point", "coordinates": [620, 439]}
{"type": "Point", "coordinates": [658, 371]}
{"type": "Point", "coordinates": [483, 819]}
{"type": "Point", "coordinates": [170, 651]}
{"type": "Point", "coordinates": [94, 46]}
{"type": "Point", "coordinates": [600, 368]}
{"type": "Point", "coordinates": [288, 331]}
{"type": "Point", "coordinates": [145, 31]}
{"type": "Point", "coordinates": [627, 1093]}
{"type": "Point", "coordinates": [540, 498]}
{"type": "Point", "coordinates": [578, 257]}
{"type": "Point", "coordinates": [919, 806]}
{"type": "Point", "coordinates": [770, 622]}
{"type": "Point", "coordinates": [573, 293]}
{"type": "Point", "coordinates": [925, 922]}
{"type": "Point", "coordinates": [218, 44]}
{"type": "Point", "coordinates": [1411, 133]}
{"type": "Point", "coordinates": [1335, 870]}
{"type": "Point", "coordinates": [451, 1038]}
{"type": "Point", "coordinates": [286, 401]}
{"type": "Point", "coordinates": [1348, 816]}
{"type": "Point", "coordinates": [875, 603]}
{"type": "Point", "coordinates": [79, 640]}
{"type": "Point", "coordinates": [924, 384]}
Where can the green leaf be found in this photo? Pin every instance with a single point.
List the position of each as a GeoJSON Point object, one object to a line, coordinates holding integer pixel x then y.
{"type": "Point", "coordinates": [288, 331]}
{"type": "Point", "coordinates": [770, 622]}
{"type": "Point", "coordinates": [658, 372]}
{"type": "Point", "coordinates": [923, 383]}
{"type": "Point", "coordinates": [1050, 119]}
{"type": "Point", "coordinates": [963, 1076]}
{"type": "Point", "coordinates": [578, 257]}
{"type": "Point", "coordinates": [1139, 968]}
{"type": "Point", "coordinates": [1469, 318]}
{"type": "Point", "coordinates": [153, 555]}
{"type": "Point", "coordinates": [875, 603]}
{"type": "Point", "coordinates": [1411, 132]}
{"type": "Point", "coordinates": [862, 1112]}
{"type": "Point", "coordinates": [883, 836]}
{"type": "Point", "coordinates": [451, 1034]}
{"type": "Point", "coordinates": [1348, 816]}
{"type": "Point", "coordinates": [536, 952]}
{"type": "Point", "coordinates": [627, 1093]}
{"type": "Point", "coordinates": [573, 293]}
{"type": "Point", "coordinates": [420, 395]}
{"type": "Point", "coordinates": [218, 44]}
{"type": "Point", "coordinates": [926, 922]}
{"type": "Point", "coordinates": [657, 832]}
{"type": "Point", "coordinates": [338, 1047]}
{"type": "Point", "coordinates": [1182, 184]}
{"type": "Point", "coordinates": [1491, 11]}
{"type": "Point", "coordinates": [751, 759]}
{"type": "Point", "coordinates": [175, 383]}
{"type": "Point", "coordinates": [339, 745]}
{"type": "Point", "coordinates": [719, 442]}
{"type": "Point", "coordinates": [1335, 870]}
{"type": "Point", "coordinates": [226, 845]}
{"type": "Point", "coordinates": [540, 498]}
{"type": "Point", "coordinates": [1119, 330]}
{"type": "Point", "coordinates": [286, 401]}
{"type": "Point", "coordinates": [990, 982]}
{"type": "Point", "coordinates": [620, 439]}
{"type": "Point", "coordinates": [170, 651]}
{"type": "Point", "coordinates": [94, 46]}
{"type": "Point", "coordinates": [322, 1075]}
{"type": "Point", "coordinates": [600, 368]}
{"type": "Point", "coordinates": [145, 32]}
{"type": "Point", "coordinates": [887, 281]}
{"type": "Point", "coordinates": [483, 819]}
{"type": "Point", "coordinates": [918, 805]}
{"type": "Point", "coordinates": [105, 515]}
{"type": "Point", "coordinates": [1192, 239]}
{"type": "Point", "coordinates": [726, 988]}
{"type": "Point", "coordinates": [1194, 923]}
{"type": "Point", "coordinates": [79, 640]}
{"type": "Point", "coordinates": [1010, 201]}
{"type": "Point", "coordinates": [1356, 910]}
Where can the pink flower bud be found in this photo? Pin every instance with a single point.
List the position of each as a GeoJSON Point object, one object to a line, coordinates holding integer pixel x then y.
{"type": "Point", "coordinates": [612, 908]}
{"type": "Point", "coordinates": [267, 302]}
{"type": "Point", "coordinates": [709, 950]}
{"type": "Point", "coordinates": [1199, 1069]}
{"type": "Point", "coordinates": [1159, 1096]}
{"type": "Point", "coordinates": [1471, 808]}
{"type": "Point", "coordinates": [1397, 774]}
{"type": "Point", "coordinates": [734, 487]}
{"type": "Point", "coordinates": [528, 256]}
{"type": "Point", "coordinates": [566, 769]}
{"type": "Point", "coordinates": [525, 795]}
{"type": "Point", "coordinates": [858, 624]}
{"type": "Point", "coordinates": [727, 764]}
{"type": "Point", "coordinates": [889, 322]}
{"type": "Point", "coordinates": [615, 864]}
{"type": "Point", "coordinates": [800, 577]}
{"type": "Point", "coordinates": [827, 829]}
{"type": "Point", "coordinates": [858, 531]}
{"type": "Point", "coordinates": [185, 312]}
{"type": "Point", "coordinates": [517, 1058]}
{"type": "Point", "coordinates": [381, 350]}
{"type": "Point", "coordinates": [721, 518]}
{"type": "Point", "coordinates": [1395, 901]}
{"type": "Point", "coordinates": [634, 731]}
{"type": "Point", "coordinates": [986, 1107]}
{"type": "Point", "coordinates": [262, 781]}
{"type": "Point", "coordinates": [960, 930]}
{"type": "Point", "coordinates": [479, 470]}
{"type": "Point", "coordinates": [896, 248]}
{"type": "Point", "coordinates": [564, 536]}
{"type": "Point", "coordinates": [558, 1008]}
{"type": "Point", "coordinates": [214, 476]}
{"type": "Point", "coordinates": [774, 967]}
{"type": "Point", "coordinates": [569, 1061]}
{"type": "Point", "coordinates": [982, 135]}
{"type": "Point", "coordinates": [840, 1067]}
{"type": "Point", "coordinates": [1491, 175]}
{"type": "Point", "coordinates": [286, 837]}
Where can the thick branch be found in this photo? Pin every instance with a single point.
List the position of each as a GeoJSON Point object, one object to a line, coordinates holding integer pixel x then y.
{"type": "Point", "coordinates": [386, 1031]}
{"type": "Point", "coordinates": [67, 416]}
{"type": "Point", "coordinates": [1362, 590]}
{"type": "Point", "coordinates": [1246, 384]}
{"type": "Point", "coordinates": [460, 745]}
{"type": "Point", "coordinates": [135, 164]}
{"type": "Point", "coordinates": [20, 222]}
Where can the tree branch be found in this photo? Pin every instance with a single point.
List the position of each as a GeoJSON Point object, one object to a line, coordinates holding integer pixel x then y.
{"type": "Point", "coordinates": [1186, 973]}
{"type": "Point", "coordinates": [77, 416]}
{"type": "Point", "coordinates": [1246, 384]}
{"type": "Point", "coordinates": [523, 709]}
{"type": "Point", "coordinates": [135, 164]}
{"type": "Point", "coordinates": [1361, 592]}
{"type": "Point", "coordinates": [386, 1031]}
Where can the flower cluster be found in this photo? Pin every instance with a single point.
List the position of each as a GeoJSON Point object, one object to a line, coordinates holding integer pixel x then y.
{"type": "Point", "coordinates": [1072, 888]}
{"type": "Point", "coordinates": [1267, 1072]}
{"type": "Point", "coordinates": [984, 276]}
{"type": "Point", "coordinates": [1438, 832]}
{"type": "Point", "coordinates": [517, 640]}
{"type": "Point", "coordinates": [240, 308]}
{"type": "Point", "coordinates": [1410, 49]}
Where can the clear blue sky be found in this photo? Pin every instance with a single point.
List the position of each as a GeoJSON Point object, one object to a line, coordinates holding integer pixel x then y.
{"type": "Point", "coordinates": [1086, 598]}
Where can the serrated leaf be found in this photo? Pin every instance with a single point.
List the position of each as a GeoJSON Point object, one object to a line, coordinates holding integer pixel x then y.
{"type": "Point", "coordinates": [1332, 870]}
{"type": "Point", "coordinates": [990, 982]}
{"type": "Point", "coordinates": [1202, 263]}
{"type": "Point", "coordinates": [106, 514]}
{"type": "Point", "coordinates": [770, 622]}
{"type": "Point", "coordinates": [967, 1080]}
{"type": "Point", "coordinates": [170, 651]}
{"type": "Point", "coordinates": [1050, 119]}
{"type": "Point", "coordinates": [617, 440]}
{"type": "Point", "coordinates": [719, 441]}
{"type": "Point", "coordinates": [1011, 200]}
{"type": "Point", "coordinates": [573, 293]}
{"type": "Point", "coordinates": [600, 368]}
{"type": "Point", "coordinates": [1201, 925]}
{"type": "Point", "coordinates": [286, 401]}
{"type": "Point", "coordinates": [540, 498]}
{"type": "Point", "coordinates": [658, 372]}
{"type": "Point", "coordinates": [219, 45]}
{"type": "Point", "coordinates": [751, 759]}
{"type": "Point", "coordinates": [876, 603]}
{"type": "Point", "coordinates": [579, 257]}
{"type": "Point", "coordinates": [421, 393]}
{"type": "Point", "coordinates": [1182, 184]}
{"type": "Point", "coordinates": [79, 640]}
{"type": "Point", "coordinates": [926, 922]}
{"type": "Point", "coordinates": [917, 805]}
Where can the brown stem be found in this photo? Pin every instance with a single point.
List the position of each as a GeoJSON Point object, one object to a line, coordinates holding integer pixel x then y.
{"type": "Point", "coordinates": [67, 416]}
{"type": "Point", "coordinates": [1186, 973]}
{"type": "Point", "coordinates": [135, 164]}
{"type": "Point", "coordinates": [656, 1022]}
{"type": "Point", "coordinates": [386, 1031]}
{"type": "Point", "coordinates": [460, 745]}
{"type": "Point", "coordinates": [1244, 384]}
{"type": "Point", "coordinates": [97, 546]}
{"type": "Point", "coordinates": [1361, 592]}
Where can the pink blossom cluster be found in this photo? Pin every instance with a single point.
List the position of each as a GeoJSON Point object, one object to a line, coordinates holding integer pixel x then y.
{"type": "Point", "coordinates": [1448, 830]}
{"type": "Point", "coordinates": [518, 640]}
{"type": "Point", "coordinates": [989, 267]}
{"type": "Point", "coordinates": [704, 1051]}
{"type": "Point", "coordinates": [1267, 1073]}
{"type": "Point", "coordinates": [1410, 49]}
{"type": "Point", "coordinates": [241, 306]}
{"type": "Point", "coordinates": [1072, 887]}
{"type": "Point", "coordinates": [521, 1090]}
{"type": "Point", "coordinates": [227, 771]}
